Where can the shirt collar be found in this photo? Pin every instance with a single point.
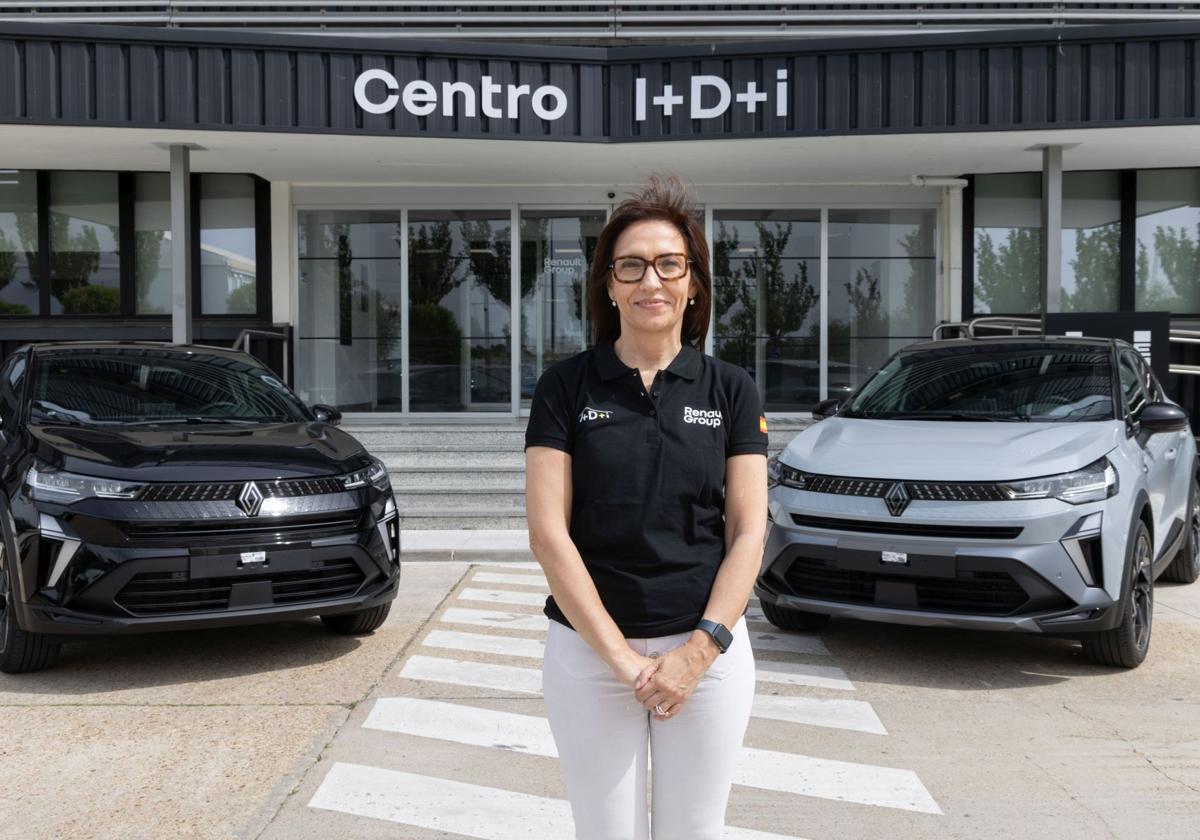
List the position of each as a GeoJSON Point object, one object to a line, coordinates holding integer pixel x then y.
{"type": "Point", "coordinates": [686, 363]}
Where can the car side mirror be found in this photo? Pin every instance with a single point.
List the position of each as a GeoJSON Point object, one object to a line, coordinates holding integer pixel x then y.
{"type": "Point", "coordinates": [327, 414]}
{"type": "Point", "coordinates": [826, 409]}
{"type": "Point", "coordinates": [1163, 417]}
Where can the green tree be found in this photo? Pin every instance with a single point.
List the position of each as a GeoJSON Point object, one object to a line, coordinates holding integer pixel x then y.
{"type": "Point", "coordinates": [1097, 267]}
{"type": "Point", "coordinates": [1179, 255]}
{"type": "Point", "coordinates": [243, 299]}
{"type": "Point", "coordinates": [147, 246]}
{"type": "Point", "coordinates": [433, 270]}
{"type": "Point", "coordinates": [1008, 276]}
{"type": "Point", "coordinates": [8, 261]}
{"type": "Point", "coordinates": [91, 300]}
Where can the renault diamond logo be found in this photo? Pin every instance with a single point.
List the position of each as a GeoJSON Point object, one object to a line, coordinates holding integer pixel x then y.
{"type": "Point", "coordinates": [897, 499]}
{"type": "Point", "coordinates": [251, 499]}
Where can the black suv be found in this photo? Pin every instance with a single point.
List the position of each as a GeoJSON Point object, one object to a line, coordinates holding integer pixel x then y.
{"type": "Point", "coordinates": [154, 487]}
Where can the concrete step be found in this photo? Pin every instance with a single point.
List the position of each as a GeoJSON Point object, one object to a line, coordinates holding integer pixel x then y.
{"type": "Point", "coordinates": [450, 499]}
{"type": "Point", "coordinates": [464, 518]}
{"type": "Point", "coordinates": [420, 459]}
{"type": "Point", "coordinates": [466, 436]}
{"type": "Point", "coordinates": [466, 479]}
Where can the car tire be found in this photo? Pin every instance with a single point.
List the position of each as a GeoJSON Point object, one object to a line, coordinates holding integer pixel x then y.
{"type": "Point", "coordinates": [1185, 568]}
{"type": "Point", "coordinates": [1126, 645]}
{"type": "Point", "coordinates": [358, 623]}
{"type": "Point", "coordinates": [20, 651]}
{"type": "Point", "coordinates": [786, 619]}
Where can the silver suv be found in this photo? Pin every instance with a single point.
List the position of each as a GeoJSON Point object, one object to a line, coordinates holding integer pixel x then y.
{"type": "Point", "coordinates": [1034, 484]}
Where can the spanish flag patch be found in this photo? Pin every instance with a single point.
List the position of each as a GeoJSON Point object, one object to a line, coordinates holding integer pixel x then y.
{"type": "Point", "coordinates": [762, 424]}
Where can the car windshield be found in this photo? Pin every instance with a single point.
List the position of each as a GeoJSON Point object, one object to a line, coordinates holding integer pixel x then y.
{"type": "Point", "coordinates": [153, 385]}
{"type": "Point", "coordinates": [1042, 383]}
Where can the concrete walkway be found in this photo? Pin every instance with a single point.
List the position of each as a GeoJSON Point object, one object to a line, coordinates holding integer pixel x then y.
{"type": "Point", "coordinates": [467, 545]}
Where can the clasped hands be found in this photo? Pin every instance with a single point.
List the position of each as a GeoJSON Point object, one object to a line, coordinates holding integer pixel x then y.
{"type": "Point", "coordinates": [663, 683]}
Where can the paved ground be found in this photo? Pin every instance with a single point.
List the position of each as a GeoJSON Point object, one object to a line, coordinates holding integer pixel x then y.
{"type": "Point", "coordinates": [432, 728]}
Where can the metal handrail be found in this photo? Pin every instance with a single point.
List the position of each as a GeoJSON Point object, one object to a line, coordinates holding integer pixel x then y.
{"type": "Point", "coordinates": [242, 342]}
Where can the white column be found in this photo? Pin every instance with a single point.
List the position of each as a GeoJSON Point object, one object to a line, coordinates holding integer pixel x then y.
{"type": "Point", "coordinates": [284, 302]}
{"type": "Point", "coordinates": [514, 332]}
{"type": "Point", "coordinates": [952, 256]}
{"type": "Point", "coordinates": [824, 332]}
{"type": "Point", "coordinates": [1052, 177]}
{"type": "Point", "coordinates": [182, 281]}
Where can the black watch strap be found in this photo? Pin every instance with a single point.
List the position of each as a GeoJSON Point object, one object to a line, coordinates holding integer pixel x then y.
{"type": "Point", "coordinates": [719, 632]}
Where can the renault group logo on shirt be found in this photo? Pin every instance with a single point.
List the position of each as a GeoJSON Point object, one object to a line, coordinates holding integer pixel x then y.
{"type": "Point", "coordinates": [589, 413]}
{"type": "Point", "coordinates": [702, 416]}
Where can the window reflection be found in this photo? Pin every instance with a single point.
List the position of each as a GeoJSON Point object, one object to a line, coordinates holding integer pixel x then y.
{"type": "Point", "coordinates": [18, 243]}
{"type": "Point", "coordinates": [227, 245]}
{"type": "Point", "coordinates": [84, 255]}
{"type": "Point", "coordinates": [152, 243]}
{"type": "Point", "coordinates": [1168, 241]}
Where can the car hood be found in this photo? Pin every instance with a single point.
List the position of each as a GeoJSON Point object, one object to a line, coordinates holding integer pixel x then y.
{"type": "Point", "coordinates": [199, 453]}
{"type": "Point", "coordinates": [923, 450]}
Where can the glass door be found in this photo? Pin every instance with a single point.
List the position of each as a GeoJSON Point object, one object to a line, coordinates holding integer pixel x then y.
{"type": "Point", "coordinates": [459, 292]}
{"type": "Point", "coordinates": [556, 250]}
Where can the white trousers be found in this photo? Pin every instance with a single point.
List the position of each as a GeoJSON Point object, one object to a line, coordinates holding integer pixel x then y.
{"type": "Point", "coordinates": [606, 741]}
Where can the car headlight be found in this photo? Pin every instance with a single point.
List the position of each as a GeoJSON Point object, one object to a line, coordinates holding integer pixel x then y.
{"type": "Point", "coordinates": [49, 484]}
{"type": "Point", "coordinates": [376, 475]}
{"type": "Point", "coordinates": [1095, 482]}
{"type": "Point", "coordinates": [780, 473]}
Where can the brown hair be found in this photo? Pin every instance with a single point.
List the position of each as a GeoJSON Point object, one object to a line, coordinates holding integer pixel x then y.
{"type": "Point", "coordinates": [663, 198]}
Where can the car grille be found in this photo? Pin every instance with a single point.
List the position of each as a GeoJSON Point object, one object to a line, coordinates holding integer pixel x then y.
{"type": "Point", "coordinates": [921, 491]}
{"type": "Point", "coordinates": [909, 529]}
{"type": "Point", "coordinates": [161, 593]}
{"type": "Point", "coordinates": [228, 492]}
{"type": "Point", "coordinates": [244, 531]}
{"type": "Point", "coordinates": [969, 592]}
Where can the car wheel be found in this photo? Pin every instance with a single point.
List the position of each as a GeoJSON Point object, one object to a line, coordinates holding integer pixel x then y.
{"type": "Point", "coordinates": [358, 623]}
{"type": "Point", "coordinates": [20, 651]}
{"type": "Point", "coordinates": [1185, 568]}
{"type": "Point", "coordinates": [1125, 646]}
{"type": "Point", "coordinates": [786, 619]}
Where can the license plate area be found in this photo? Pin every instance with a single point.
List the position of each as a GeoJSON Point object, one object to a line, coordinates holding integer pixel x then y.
{"type": "Point", "coordinates": [896, 561]}
{"type": "Point", "coordinates": [247, 563]}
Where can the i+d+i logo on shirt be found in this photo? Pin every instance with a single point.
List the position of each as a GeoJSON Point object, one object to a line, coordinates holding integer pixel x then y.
{"type": "Point", "coordinates": [594, 414]}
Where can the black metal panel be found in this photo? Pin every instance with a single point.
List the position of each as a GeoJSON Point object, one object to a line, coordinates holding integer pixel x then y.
{"type": "Point", "coordinates": [214, 87]}
{"type": "Point", "coordinates": [246, 92]}
{"type": "Point", "coordinates": [11, 81]}
{"type": "Point", "coordinates": [1027, 79]}
{"type": "Point", "coordinates": [78, 83]}
{"type": "Point", "coordinates": [112, 80]}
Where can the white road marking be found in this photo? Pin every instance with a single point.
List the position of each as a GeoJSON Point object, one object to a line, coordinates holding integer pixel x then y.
{"type": "Point", "coordinates": [854, 715]}
{"type": "Point", "coordinates": [527, 566]}
{"type": "Point", "coordinates": [454, 807]}
{"type": "Point", "coordinates": [503, 645]}
{"type": "Point", "coordinates": [787, 642]}
{"type": "Point", "coordinates": [520, 580]}
{"type": "Point", "coordinates": [785, 772]}
{"type": "Point", "coordinates": [824, 778]}
{"type": "Point", "coordinates": [801, 673]}
{"type": "Point", "coordinates": [503, 596]}
{"type": "Point", "coordinates": [476, 674]}
{"type": "Point", "coordinates": [491, 618]}
{"type": "Point", "coordinates": [441, 804]}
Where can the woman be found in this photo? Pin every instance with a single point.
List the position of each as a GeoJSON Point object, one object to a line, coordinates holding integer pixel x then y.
{"type": "Point", "coordinates": [646, 492]}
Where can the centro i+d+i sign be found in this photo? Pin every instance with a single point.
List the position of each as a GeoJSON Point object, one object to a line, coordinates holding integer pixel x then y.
{"type": "Point", "coordinates": [709, 97]}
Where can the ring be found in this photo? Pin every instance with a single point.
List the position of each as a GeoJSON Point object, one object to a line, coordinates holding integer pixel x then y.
{"type": "Point", "coordinates": [660, 710]}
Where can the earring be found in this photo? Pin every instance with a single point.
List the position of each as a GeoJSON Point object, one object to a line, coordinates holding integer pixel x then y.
{"type": "Point", "coordinates": [691, 301]}
{"type": "Point", "coordinates": [613, 302]}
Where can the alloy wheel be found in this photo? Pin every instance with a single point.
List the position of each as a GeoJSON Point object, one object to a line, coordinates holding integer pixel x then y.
{"type": "Point", "coordinates": [1195, 526]}
{"type": "Point", "coordinates": [1142, 594]}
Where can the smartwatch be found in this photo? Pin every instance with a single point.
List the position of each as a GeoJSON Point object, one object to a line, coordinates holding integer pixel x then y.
{"type": "Point", "coordinates": [719, 632]}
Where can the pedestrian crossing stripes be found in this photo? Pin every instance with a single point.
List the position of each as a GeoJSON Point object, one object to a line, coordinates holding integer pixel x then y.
{"type": "Point", "coordinates": [801, 673]}
{"type": "Point", "coordinates": [502, 577]}
{"type": "Point", "coordinates": [479, 643]}
{"type": "Point", "coordinates": [503, 596]}
{"type": "Point", "coordinates": [455, 807]}
{"type": "Point", "coordinates": [492, 618]}
{"type": "Point", "coordinates": [788, 643]}
{"type": "Point", "coordinates": [836, 714]}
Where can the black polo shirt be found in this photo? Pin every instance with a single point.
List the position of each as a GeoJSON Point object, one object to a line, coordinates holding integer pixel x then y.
{"type": "Point", "coordinates": [648, 473]}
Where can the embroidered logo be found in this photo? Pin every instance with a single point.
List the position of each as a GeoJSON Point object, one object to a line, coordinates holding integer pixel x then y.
{"type": "Point", "coordinates": [594, 414]}
{"type": "Point", "coordinates": [701, 416]}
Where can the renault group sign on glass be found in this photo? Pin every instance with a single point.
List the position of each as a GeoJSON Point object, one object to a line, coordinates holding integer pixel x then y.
{"type": "Point", "coordinates": [707, 97]}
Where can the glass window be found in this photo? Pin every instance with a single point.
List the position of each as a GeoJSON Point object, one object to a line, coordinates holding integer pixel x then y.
{"type": "Point", "coordinates": [1091, 242]}
{"type": "Point", "coordinates": [227, 245]}
{"type": "Point", "coordinates": [1008, 244]}
{"type": "Point", "coordinates": [152, 243]}
{"type": "Point", "coordinates": [556, 250]}
{"type": "Point", "coordinates": [1168, 240]}
{"type": "Point", "coordinates": [1132, 388]}
{"type": "Point", "coordinates": [459, 286]}
{"type": "Point", "coordinates": [84, 232]}
{"type": "Point", "coordinates": [766, 301]}
{"type": "Point", "coordinates": [18, 243]}
{"type": "Point", "coordinates": [349, 351]}
{"type": "Point", "coordinates": [882, 289]}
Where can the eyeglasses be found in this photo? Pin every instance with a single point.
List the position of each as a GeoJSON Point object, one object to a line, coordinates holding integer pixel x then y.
{"type": "Point", "coordinates": [666, 266]}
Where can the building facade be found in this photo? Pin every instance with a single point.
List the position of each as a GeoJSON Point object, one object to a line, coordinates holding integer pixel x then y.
{"type": "Point", "coordinates": [412, 219]}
